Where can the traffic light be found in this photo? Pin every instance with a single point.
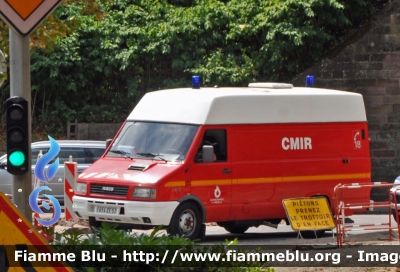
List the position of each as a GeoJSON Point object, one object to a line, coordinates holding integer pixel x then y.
{"type": "Point", "coordinates": [18, 148]}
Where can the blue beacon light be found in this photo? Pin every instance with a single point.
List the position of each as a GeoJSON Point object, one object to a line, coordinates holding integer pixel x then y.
{"type": "Point", "coordinates": [195, 82]}
{"type": "Point", "coordinates": [309, 81]}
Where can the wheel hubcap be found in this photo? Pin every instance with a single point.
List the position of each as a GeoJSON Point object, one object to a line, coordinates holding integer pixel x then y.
{"type": "Point", "coordinates": [187, 222]}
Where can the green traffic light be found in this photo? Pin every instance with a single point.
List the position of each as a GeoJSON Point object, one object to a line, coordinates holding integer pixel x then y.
{"type": "Point", "coordinates": [16, 158]}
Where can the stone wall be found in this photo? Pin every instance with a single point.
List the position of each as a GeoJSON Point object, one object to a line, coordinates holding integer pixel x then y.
{"type": "Point", "coordinates": [91, 131]}
{"type": "Point", "coordinates": [369, 63]}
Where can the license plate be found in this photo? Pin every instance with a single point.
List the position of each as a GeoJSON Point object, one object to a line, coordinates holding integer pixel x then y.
{"type": "Point", "coordinates": [106, 210]}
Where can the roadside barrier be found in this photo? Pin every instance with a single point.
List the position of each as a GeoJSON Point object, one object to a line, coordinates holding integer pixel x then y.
{"type": "Point", "coordinates": [37, 181]}
{"type": "Point", "coordinates": [70, 175]}
{"type": "Point", "coordinates": [46, 232]}
{"type": "Point", "coordinates": [341, 206]}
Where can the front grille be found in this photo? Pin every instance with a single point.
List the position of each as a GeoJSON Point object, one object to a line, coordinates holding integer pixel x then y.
{"type": "Point", "coordinates": [109, 189]}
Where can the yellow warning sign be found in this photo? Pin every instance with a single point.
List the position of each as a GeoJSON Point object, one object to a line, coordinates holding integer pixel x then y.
{"type": "Point", "coordinates": [17, 231]}
{"type": "Point", "coordinates": [309, 213]}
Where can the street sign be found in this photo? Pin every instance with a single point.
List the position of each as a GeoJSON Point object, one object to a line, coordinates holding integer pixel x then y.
{"type": "Point", "coordinates": [25, 16]}
{"type": "Point", "coordinates": [16, 230]}
{"type": "Point", "coordinates": [311, 213]}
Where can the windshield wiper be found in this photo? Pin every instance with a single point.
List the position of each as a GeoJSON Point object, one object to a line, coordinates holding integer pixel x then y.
{"type": "Point", "coordinates": [152, 155]}
{"type": "Point", "coordinates": [117, 151]}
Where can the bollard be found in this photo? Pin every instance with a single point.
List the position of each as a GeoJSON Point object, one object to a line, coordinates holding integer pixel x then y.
{"type": "Point", "coordinates": [70, 175]}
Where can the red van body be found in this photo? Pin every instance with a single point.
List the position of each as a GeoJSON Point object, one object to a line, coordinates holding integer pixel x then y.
{"type": "Point", "coordinates": [270, 142]}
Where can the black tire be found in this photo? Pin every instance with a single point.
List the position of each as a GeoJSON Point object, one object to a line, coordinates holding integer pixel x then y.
{"type": "Point", "coordinates": [310, 234]}
{"type": "Point", "coordinates": [186, 221]}
{"type": "Point", "coordinates": [236, 227]}
{"type": "Point", "coordinates": [274, 221]}
{"type": "Point", "coordinates": [394, 215]}
{"type": "Point", "coordinates": [93, 223]}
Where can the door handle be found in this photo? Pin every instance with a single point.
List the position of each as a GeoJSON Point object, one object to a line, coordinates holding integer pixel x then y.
{"type": "Point", "coordinates": [226, 170]}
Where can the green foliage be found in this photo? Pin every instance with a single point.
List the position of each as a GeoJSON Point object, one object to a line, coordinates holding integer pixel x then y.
{"type": "Point", "coordinates": [107, 60]}
{"type": "Point", "coordinates": [110, 240]}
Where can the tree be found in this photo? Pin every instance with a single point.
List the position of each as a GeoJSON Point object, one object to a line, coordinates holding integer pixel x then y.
{"type": "Point", "coordinates": [109, 53]}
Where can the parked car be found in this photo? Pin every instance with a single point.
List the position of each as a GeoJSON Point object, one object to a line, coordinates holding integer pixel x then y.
{"type": "Point", "coordinates": [83, 152]}
{"type": "Point", "coordinates": [395, 188]}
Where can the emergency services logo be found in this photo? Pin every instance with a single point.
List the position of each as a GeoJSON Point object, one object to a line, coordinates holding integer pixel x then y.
{"type": "Point", "coordinates": [217, 195]}
{"type": "Point", "coordinates": [357, 139]}
{"type": "Point", "coordinates": [217, 192]}
{"type": "Point", "coordinates": [45, 174]}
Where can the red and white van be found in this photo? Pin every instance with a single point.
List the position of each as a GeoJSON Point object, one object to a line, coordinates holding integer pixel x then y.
{"type": "Point", "coordinates": [185, 157]}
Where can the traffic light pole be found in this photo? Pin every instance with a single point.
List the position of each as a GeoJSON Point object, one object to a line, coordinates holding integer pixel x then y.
{"type": "Point", "coordinates": [20, 85]}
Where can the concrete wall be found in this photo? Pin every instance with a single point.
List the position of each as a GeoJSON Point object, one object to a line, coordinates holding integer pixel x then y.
{"type": "Point", "coordinates": [91, 131]}
{"type": "Point", "coordinates": [369, 63]}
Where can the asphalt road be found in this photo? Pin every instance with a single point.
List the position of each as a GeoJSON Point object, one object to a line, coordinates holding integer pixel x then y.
{"type": "Point", "coordinates": [284, 235]}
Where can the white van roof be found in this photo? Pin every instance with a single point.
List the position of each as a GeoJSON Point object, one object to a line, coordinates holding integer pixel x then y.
{"type": "Point", "coordinates": [250, 105]}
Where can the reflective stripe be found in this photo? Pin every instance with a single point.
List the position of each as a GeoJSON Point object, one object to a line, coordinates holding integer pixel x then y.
{"type": "Point", "coordinates": [211, 182]}
{"type": "Point", "coordinates": [270, 179]}
{"type": "Point", "coordinates": [175, 184]}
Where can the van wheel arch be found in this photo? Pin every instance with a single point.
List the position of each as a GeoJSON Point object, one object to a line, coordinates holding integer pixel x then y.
{"type": "Point", "coordinates": [186, 221]}
{"type": "Point", "coordinates": [327, 198]}
{"type": "Point", "coordinates": [196, 201]}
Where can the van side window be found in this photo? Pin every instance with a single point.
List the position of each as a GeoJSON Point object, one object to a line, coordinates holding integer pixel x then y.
{"type": "Point", "coordinates": [216, 138]}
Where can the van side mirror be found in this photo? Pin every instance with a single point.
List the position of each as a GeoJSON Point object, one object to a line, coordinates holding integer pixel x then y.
{"type": "Point", "coordinates": [108, 142]}
{"type": "Point", "coordinates": [208, 153]}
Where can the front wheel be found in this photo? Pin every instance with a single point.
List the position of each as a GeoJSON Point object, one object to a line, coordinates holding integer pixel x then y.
{"type": "Point", "coordinates": [186, 221]}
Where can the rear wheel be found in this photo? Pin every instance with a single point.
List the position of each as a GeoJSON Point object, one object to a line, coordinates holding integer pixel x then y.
{"type": "Point", "coordinates": [310, 234]}
{"type": "Point", "coordinates": [186, 221]}
{"type": "Point", "coordinates": [236, 227]}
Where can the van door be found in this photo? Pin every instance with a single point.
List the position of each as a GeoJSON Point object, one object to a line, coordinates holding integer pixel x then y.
{"type": "Point", "coordinates": [211, 181]}
{"type": "Point", "coordinates": [257, 169]}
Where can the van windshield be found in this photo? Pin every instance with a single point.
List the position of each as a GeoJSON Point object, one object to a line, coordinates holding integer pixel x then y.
{"type": "Point", "coordinates": [158, 141]}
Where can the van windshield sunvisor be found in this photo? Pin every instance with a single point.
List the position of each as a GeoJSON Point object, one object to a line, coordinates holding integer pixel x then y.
{"type": "Point", "coordinates": [155, 141]}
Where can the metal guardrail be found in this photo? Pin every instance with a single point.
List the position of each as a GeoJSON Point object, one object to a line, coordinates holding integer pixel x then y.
{"type": "Point", "coordinates": [342, 206]}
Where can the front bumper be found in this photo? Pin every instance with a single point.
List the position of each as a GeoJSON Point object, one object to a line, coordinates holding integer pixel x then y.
{"type": "Point", "coordinates": [129, 212]}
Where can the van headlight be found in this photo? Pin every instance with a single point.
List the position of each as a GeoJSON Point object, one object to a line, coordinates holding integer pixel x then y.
{"type": "Point", "coordinates": [81, 187]}
{"type": "Point", "coordinates": [144, 193]}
